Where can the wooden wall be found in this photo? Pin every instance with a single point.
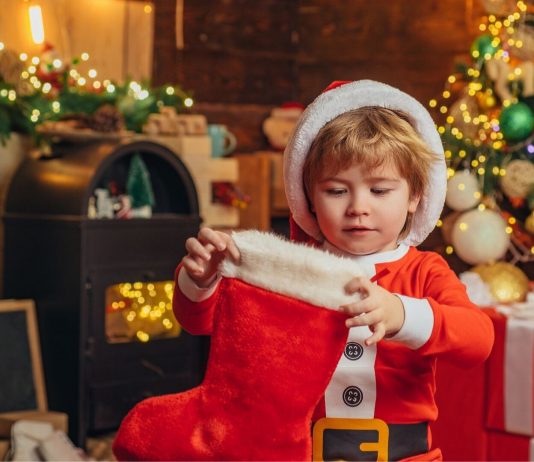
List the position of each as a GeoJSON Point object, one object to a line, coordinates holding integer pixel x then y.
{"type": "Point", "coordinates": [242, 57]}
{"type": "Point", "coordinates": [103, 28]}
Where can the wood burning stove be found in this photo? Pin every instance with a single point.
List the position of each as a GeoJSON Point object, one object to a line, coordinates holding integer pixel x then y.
{"type": "Point", "coordinates": [95, 281]}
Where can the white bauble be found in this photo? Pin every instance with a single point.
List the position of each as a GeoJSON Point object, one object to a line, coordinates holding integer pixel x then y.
{"type": "Point", "coordinates": [479, 236]}
{"type": "Point", "coordinates": [463, 191]}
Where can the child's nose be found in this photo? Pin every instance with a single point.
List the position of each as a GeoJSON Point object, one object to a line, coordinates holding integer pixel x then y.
{"type": "Point", "coordinates": [359, 205]}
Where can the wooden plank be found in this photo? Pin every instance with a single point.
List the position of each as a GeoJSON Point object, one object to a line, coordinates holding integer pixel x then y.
{"type": "Point", "coordinates": [254, 180]}
{"type": "Point", "coordinates": [423, 85]}
{"type": "Point", "coordinates": [383, 27]}
{"type": "Point", "coordinates": [221, 77]}
{"type": "Point", "coordinates": [256, 27]}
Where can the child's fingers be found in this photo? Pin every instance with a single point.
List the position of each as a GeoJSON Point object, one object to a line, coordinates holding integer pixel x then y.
{"type": "Point", "coordinates": [378, 334]}
{"type": "Point", "coordinates": [232, 249]}
{"type": "Point", "coordinates": [209, 236]}
{"type": "Point", "coordinates": [362, 306]}
{"type": "Point", "coordinates": [192, 266]}
{"type": "Point", "coordinates": [365, 319]}
{"type": "Point", "coordinates": [358, 284]}
{"type": "Point", "coordinates": [195, 248]}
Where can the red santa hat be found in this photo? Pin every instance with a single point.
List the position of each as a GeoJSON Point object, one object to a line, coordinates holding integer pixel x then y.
{"type": "Point", "coordinates": [341, 97]}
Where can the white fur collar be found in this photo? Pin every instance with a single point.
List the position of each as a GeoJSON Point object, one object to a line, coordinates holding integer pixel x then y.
{"type": "Point", "coordinates": [373, 258]}
{"type": "Point", "coordinates": [297, 270]}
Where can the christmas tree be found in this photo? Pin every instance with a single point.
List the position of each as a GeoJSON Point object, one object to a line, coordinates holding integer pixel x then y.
{"type": "Point", "coordinates": [486, 115]}
{"type": "Point", "coordinates": [139, 186]}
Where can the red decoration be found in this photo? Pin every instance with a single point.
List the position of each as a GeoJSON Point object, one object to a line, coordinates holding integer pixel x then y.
{"type": "Point", "coordinates": [518, 231]}
{"type": "Point", "coordinates": [229, 194]}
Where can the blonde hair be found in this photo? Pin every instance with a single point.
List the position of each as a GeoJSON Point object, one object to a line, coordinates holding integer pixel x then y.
{"type": "Point", "coordinates": [370, 137]}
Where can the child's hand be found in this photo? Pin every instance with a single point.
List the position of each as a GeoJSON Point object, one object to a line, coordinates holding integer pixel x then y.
{"type": "Point", "coordinates": [205, 252]}
{"type": "Point", "coordinates": [379, 309]}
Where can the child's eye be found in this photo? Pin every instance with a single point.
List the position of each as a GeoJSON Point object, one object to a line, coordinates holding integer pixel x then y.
{"type": "Point", "coordinates": [335, 191]}
{"type": "Point", "coordinates": [380, 191]}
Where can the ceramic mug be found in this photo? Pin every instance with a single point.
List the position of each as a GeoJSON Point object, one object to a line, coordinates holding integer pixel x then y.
{"type": "Point", "coordinates": [223, 141]}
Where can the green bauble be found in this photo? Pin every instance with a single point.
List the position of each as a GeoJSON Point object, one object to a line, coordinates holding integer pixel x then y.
{"type": "Point", "coordinates": [483, 44]}
{"type": "Point", "coordinates": [516, 122]}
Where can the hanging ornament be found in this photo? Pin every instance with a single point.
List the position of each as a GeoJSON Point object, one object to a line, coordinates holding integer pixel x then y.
{"type": "Point", "coordinates": [462, 107]}
{"type": "Point", "coordinates": [486, 99]}
{"type": "Point", "coordinates": [483, 46]}
{"type": "Point", "coordinates": [516, 122]}
{"type": "Point", "coordinates": [479, 236]}
{"type": "Point", "coordinates": [507, 283]}
{"type": "Point", "coordinates": [477, 290]}
{"type": "Point", "coordinates": [519, 179]}
{"type": "Point", "coordinates": [51, 67]}
{"type": "Point", "coordinates": [529, 223]}
{"type": "Point", "coordinates": [463, 191]}
{"type": "Point", "coordinates": [519, 233]}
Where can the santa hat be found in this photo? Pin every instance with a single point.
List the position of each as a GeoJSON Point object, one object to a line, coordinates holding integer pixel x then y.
{"type": "Point", "coordinates": [341, 97]}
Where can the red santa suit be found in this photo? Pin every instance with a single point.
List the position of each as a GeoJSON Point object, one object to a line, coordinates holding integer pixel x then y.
{"type": "Point", "coordinates": [393, 380]}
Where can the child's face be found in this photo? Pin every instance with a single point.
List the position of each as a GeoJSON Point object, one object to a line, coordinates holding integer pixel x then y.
{"type": "Point", "coordinates": [363, 212]}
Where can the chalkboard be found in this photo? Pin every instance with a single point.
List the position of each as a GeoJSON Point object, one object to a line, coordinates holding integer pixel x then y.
{"type": "Point", "coordinates": [21, 374]}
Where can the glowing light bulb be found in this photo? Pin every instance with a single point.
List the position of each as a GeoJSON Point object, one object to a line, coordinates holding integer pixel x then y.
{"type": "Point", "coordinates": [36, 24]}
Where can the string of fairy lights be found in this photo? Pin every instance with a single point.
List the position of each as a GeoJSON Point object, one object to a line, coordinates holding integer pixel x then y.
{"type": "Point", "coordinates": [35, 79]}
{"type": "Point", "coordinates": [472, 124]}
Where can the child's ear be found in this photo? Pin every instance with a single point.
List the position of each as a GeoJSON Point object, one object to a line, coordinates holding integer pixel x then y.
{"type": "Point", "coordinates": [413, 203]}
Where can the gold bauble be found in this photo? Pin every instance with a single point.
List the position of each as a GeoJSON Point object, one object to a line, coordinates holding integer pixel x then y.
{"type": "Point", "coordinates": [519, 178]}
{"type": "Point", "coordinates": [529, 223]}
{"type": "Point", "coordinates": [469, 129]}
{"type": "Point", "coordinates": [486, 100]}
{"type": "Point", "coordinates": [506, 282]}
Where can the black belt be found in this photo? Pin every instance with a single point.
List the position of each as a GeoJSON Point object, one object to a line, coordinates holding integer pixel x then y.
{"type": "Point", "coordinates": [341, 439]}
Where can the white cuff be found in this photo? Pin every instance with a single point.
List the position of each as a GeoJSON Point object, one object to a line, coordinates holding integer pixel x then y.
{"type": "Point", "coordinates": [418, 322]}
{"type": "Point", "coordinates": [194, 292]}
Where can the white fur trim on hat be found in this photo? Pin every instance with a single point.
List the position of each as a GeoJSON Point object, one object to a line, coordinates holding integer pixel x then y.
{"type": "Point", "coordinates": [348, 97]}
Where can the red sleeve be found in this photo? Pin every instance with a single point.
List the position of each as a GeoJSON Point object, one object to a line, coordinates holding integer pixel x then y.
{"type": "Point", "coordinates": [195, 317]}
{"type": "Point", "coordinates": [462, 332]}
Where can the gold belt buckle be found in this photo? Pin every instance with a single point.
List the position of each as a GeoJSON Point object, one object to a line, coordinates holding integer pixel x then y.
{"type": "Point", "coordinates": [327, 423]}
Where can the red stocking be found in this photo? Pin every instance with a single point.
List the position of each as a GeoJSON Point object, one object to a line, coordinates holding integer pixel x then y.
{"type": "Point", "coordinates": [271, 359]}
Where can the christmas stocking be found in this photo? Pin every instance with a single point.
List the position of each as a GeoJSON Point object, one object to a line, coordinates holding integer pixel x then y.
{"type": "Point", "coordinates": [276, 341]}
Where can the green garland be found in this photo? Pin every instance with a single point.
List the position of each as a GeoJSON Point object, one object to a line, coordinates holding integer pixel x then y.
{"type": "Point", "coordinates": [22, 113]}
